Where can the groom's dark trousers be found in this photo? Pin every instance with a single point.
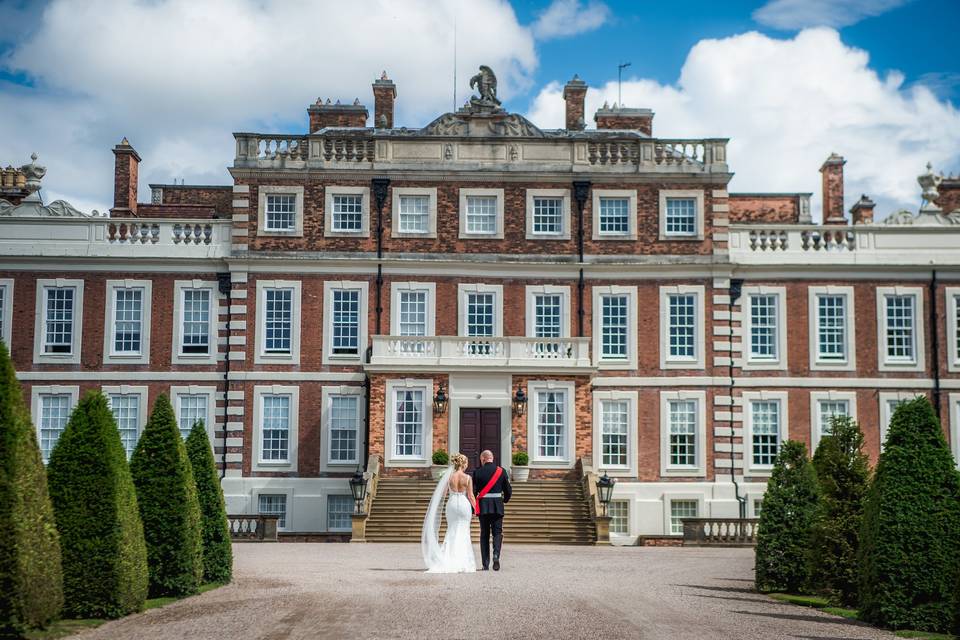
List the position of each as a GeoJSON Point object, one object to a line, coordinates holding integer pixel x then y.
{"type": "Point", "coordinates": [491, 510]}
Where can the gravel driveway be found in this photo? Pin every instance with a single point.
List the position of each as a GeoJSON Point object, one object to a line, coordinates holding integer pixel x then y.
{"type": "Point", "coordinates": [306, 591]}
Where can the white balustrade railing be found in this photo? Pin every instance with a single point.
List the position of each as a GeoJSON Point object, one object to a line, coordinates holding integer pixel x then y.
{"type": "Point", "coordinates": [479, 351]}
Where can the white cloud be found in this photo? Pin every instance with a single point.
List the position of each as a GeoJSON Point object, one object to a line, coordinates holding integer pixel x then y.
{"type": "Point", "coordinates": [569, 17]}
{"type": "Point", "coordinates": [786, 105]}
{"type": "Point", "coordinates": [798, 14]}
{"type": "Point", "coordinates": [177, 76]}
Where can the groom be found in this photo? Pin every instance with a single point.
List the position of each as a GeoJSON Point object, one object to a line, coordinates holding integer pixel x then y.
{"type": "Point", "coordinates": [493, 489]}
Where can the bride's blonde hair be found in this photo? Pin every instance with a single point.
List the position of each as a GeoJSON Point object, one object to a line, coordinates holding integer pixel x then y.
{"type": "Point", "coordinates": [460, 461]}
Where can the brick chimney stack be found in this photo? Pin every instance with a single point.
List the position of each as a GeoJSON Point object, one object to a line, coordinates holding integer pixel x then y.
{"type": "Point", "coordinates": [575, 96]}
{"type": "Point", "coordinates": [126, 173]}
{"type": "Point", "coordinates": [862, 210]}
{"type": "Point", "coordinates": [619, 117]}
{"type": "Point", "coordinates": [384, 95]}
{"type": "Point", "coordinates": [832, 171]}
{"type": "Point", "coordinates": [323, 114]}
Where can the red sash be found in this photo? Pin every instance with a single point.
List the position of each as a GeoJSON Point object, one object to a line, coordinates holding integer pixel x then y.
{"type": "Point", "coordinates": [493, 480]}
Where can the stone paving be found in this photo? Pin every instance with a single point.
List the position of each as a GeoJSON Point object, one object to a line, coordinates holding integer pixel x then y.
{"type": "Point", "coordinates": [306, 591]}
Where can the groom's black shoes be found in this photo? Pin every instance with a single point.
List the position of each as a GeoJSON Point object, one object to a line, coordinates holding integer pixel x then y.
{"type": "Point", "coordinates": [496, 564]}
{"type": "Point", "coordinates": [486, 568]}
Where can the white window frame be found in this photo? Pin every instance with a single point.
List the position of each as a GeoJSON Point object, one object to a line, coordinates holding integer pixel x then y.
{"type": "Point", "coordinates": [335, 190]}
{"type": "Point", "coordinates": [496, 290]}
{"type": "Point", "coordinates": [749, 397]}
{"type": "Point", "coordinates": [884, 398]}
{"type": "Point", "coordinates": [263, 191]}
{"type": "Point", "coordinates": [566, 461]}
{"type": "Point", "coordinates": [326, 513]}
{"type": "Point", "coordinates": [326, 394]}
{"type": "Point", "coordinates": [6, 313]}
{"type": "Point", "coordinates": [498, 234]}
{"type": "Point", "coordinates": [699, 470]}
{"type": "Point", "coordinates": [919, 320]}
{"type": "Point", "coordinates": [632, 399]}
{"type": "Point", "coordinates": [750, 362]}
{"type": "Point", "coordinates": [564, 196]}
{"type": "Point", "coordinates": [431, 290]}
{"type": "Point", "coordinates": [131, 390]}
{"type": "Point", "coordinates": [955, 427]}
{"type": "Point", "coordinates": [275, 491]}
{"type": "Point", "coordinates": [534, 290]}
{"type": "Point", "coordinates": [329, 287]}
{"type": "Point", "coordinates": [261, 356]}
{"type": "Point", "coordinates": [668, 499]}
{"type": "Point", "coordinates": [953, 326]}
{"type": "Point", "coordinates": [622, 535]}
{"type": "Point", "coordinates": [816, 397]}
{"type": "Point", "coordinates": [391, 387]}
{"type": "Point", "coordinates": [37, 391]}
{"type": "Point", "coordinates": [143, 357]}
{"type": "Point", "coordinates": [212, 423]}
{"type": "Point", "coordinates": [290, 464]}
{"type": "Point", "coordinates": [39, 330]}
{"type": "Point", "coordinates": [697, 195]}
{"type": "Point", "coordinates": [630, 362]}
{"type": "Point", "coordinates": [431, 194]}
{"type": "Point", "coordinates": [671, 362]}
{"type": "Point", "coordinates": [179, 287]}
{"type": "Point", "coordinates": [631, 195]}
{"type": "Point", "coordinates": [816, 363]}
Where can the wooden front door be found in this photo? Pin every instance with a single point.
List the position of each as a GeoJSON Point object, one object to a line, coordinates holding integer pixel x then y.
{"type": "Point", "coordinates": [479, 430]}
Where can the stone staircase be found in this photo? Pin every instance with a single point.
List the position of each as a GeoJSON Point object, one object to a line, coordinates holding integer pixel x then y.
{"type": "Point", "coordinates": [540, 512]}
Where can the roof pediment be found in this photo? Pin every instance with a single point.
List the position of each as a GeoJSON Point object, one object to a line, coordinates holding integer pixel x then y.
{"type": "Point", "coordinates": [471, 122]}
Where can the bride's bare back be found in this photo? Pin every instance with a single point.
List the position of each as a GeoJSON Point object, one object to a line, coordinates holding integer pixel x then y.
{"type": "Point", "coordinates": [462, 483]}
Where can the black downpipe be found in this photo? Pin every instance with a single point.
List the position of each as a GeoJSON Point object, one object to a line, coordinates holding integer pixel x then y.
{"type": "Point", "coordinates": [380, 188]}
{"type": "Point", "coordinates": [935, 344]}
{"type": "Point", "coordinates": [581, 190]}
{"type": "Point", "coordinates": [736, 287]}
{"type": "Point", "coordinates": [366, 422]}
{"type": "Point", "coordinates": [224, 287]}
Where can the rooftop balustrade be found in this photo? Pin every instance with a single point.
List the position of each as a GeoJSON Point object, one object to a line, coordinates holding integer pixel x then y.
{"type": "Point", "coordinates": [452, 352]}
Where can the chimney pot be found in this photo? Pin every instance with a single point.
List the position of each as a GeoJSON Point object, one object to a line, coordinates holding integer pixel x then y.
{"type": "Point", "coordinates": [575, 95]}
{"type": "Point", "coordinates": [862, 210]}
{"type": "Point", "coordinates": [384, 96]}
{"type": "Point", "coordinates": [126, 173]}
{"type": "Point", "coordinates": [832, 172]}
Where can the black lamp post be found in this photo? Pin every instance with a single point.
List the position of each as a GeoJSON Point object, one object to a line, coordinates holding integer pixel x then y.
{"type": "Point", "coordinates": [519, 402]}
{"type": "Point", "coordinates": [440, 401]}
{"type": "Point", "coordinates": [605, 490]}
{"type": "Point", "coordinates": [358, 487]}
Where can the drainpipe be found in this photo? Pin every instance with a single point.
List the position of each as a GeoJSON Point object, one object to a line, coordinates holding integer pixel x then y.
{"type": "Point", "coordinates": [736, 286]}
{"type": "Point", "coordinates": [380, 188]}
{"type": "Point", "coordinates": [935, 343]}
{"type": "Point", "coordinates": [223, 286]}
{"type": "Point", "coordinates": [581, 189]}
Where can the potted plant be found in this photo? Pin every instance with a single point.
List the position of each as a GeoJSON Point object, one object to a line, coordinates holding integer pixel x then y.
{"type": "Point", "coordinates": [520, 471]}
{"type": "Point", "coordinates": [440, 462]}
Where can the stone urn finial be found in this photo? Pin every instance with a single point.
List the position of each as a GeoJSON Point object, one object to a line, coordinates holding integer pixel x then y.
{"type": "Point", "coordinates": [929, 182]}
{"type": "Point", "coordinates": [34, 174]}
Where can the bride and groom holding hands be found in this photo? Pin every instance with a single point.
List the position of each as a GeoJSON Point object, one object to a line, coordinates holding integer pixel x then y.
{"type": "Point", "coordinates": [483, 494]}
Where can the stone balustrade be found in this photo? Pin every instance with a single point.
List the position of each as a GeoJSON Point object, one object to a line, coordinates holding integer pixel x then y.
{"type": "Point", "coordinates": [468, 352]}
{"type": "Point", "coordinates": [720, 532]}
{"type": "Point", "coordinates": [253, 528]}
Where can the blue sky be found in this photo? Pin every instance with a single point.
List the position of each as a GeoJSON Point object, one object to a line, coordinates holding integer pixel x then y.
{"type": "Point", "coordinates": [789, 81]}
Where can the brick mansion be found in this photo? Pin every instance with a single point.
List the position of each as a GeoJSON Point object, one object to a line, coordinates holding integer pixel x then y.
{"type": "Point", "coordinates": [362, 295]}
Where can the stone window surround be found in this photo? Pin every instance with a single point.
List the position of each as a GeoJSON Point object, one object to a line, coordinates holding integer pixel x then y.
{"type": "Point", "coordinates": [290, 464]}
{"type": "Point", "coordinates": [631, 195]}
{"type": "Point", "coordinates": [816, 397]}
{"type": "Point", "coordinates": [329, 286]}
{"type": "Point", "coordinates": [569, 430]}
{"type": "Point", "coordinates": [463, 290]}
{"type": "Point", "coordinates": [850, 363]}
{"type": "Point", "coordinates": [697, 195]}
{"type": "Point", "coordinates": [7, 320]}
{"type": "Point", "coordinates": [261, 356]}
{"type": "Point", "coordinates": [668, 499]}
{"type": "Point", "coordinates": [326, 512]}
{"type": "Point", "coordinates": [630, 363]}
{"type": "Point", "coordinates": [143, 411]}
{"type": "Point", "coordinates": [430, 288]}
{"type": "Point", "coordinates": [533, 290]}
{"type": "Point", "coordinates": [39, 333]}
{"type": "Point", "coordinates": [198, 390]}
{"type": "Point", "coordinates": [666, 360]}
{"type": "Point", "coordinates": [179, 286]}
{"type": "Point", "coordinates": [749, 397]}
{"type": "Point", "coordinates": [275, 491]}
{"type": "Point", "coordinates": [751, 363]}
{"type": "Point", "coordinates": [262, 192]}
{"type": "Point", "coordinates": [326, 393]}
{"type": "Point", "coordinates": [919, 320]}
{"type": "Point", "coordinates": [397, 192]}
{"type": "Point", "coordinates": [564, 195]}
{"type": "Point", "coordinates": [391, 387]}
{"type": "Point", "coordinates": [464, 234]}
{"type": "Point", "coordinates": [37, 391]}
{"type": "Point", "coordinates": [109, 357]}
{"type": "Point", "coordinates": [336, 190]}
{"type": "Point", "coordinates": [632, 400]}
{"type": "Point", "coordinates": [953, 320]}
{"type": "Point", "coordinates": [885, 397]}
{"type": "Point", "coordinates": [699, 470]}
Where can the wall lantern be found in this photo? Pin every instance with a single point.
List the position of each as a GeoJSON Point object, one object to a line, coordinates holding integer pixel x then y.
{"type": "Point", "coordinates": [605, 490]}
{"type": "Point", "coordinates": [519, 402]}
{"type": "Point", "coordinates": [440, 401]}
{"type": "Point", "coordinates": [358, 487]}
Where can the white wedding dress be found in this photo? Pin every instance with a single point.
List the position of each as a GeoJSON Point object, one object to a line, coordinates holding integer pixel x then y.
{"type": "Point", "coordinates": [455, 555]}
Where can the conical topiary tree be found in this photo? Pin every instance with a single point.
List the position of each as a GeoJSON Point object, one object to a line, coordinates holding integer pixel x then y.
{"type": "Point", "coordinates": [217, 554]}
{"type": "Point", "coordinates": [167, 497]}
{"type": "Point", "coordinates": [843, 473]}
{"type": "Point", "coordinates": [910, 540]}
{"type": "Point", "coordinates": [31, 579]}
{"type": "Point", "coordinates": [789, 506]}
{"type": "Point", "coordinates": [104, 554]}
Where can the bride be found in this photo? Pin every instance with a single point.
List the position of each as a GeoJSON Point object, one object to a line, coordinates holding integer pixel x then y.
{"type": "Point", "coordinates": [455, 555]}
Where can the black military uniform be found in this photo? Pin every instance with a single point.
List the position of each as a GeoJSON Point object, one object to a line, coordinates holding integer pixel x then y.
{"type": "Point", "coordinates": [491, 511]}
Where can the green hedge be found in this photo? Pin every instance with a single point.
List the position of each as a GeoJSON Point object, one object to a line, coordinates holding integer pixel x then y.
{"type": "Point", "coordinates": [167, 497]}
{"type": "Point", "coordinates": [789, 506]}
{"type": "Point", "coordinates": [843, 473]}
{"type": "Point", "coordinates": [217, 553]}
{"type": "Point", "coordinates": [104, 554]}
{"type": "Point", "coordinates": [910, 540]}
{"type": "Point", "coordinates": [31, 582]}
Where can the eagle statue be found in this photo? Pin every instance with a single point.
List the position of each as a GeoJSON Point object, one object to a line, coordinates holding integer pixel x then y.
{"type": "Point", "coordinates": [485, 83]}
